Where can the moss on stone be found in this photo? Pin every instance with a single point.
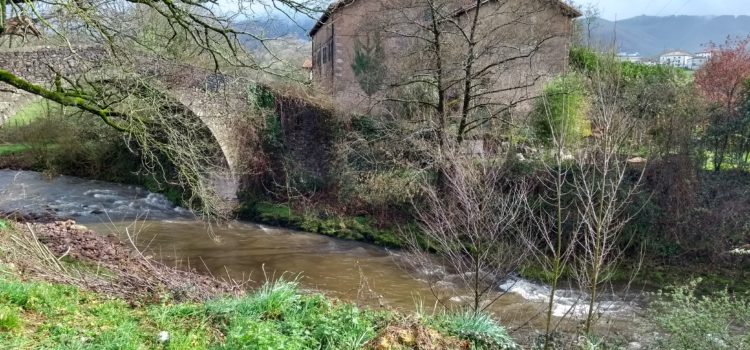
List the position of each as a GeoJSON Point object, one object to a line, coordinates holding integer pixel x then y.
{"type": "Point", "coordinates": [351, 228]}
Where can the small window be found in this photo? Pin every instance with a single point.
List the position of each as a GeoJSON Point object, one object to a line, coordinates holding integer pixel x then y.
{"type": "Point", "coordinates": [317, 60]}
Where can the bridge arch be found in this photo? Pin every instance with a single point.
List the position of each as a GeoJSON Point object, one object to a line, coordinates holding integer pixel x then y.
{"type": "Point", "coordinates": [192, 93]}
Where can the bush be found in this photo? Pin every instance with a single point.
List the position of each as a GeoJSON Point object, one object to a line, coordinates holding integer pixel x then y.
{"type": "Point", "coordinates": [562, 110]}
{"type": "Point", "coordinates": [395, 188]}
{"type": "Point", "coordinates": [584, 59]}
{"type": "Point", "coordinates": [77, 145]}
{"type": "Point", "coordinates": [719, 321]}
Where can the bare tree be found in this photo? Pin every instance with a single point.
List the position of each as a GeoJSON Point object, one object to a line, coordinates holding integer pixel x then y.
{"type": "Point", "coordinates": [555, 241]}
{"type": "Point", "coordinates": [473, 62]}
{"type": "Point", "coordinates": [604, 187]}
{"type": "Point", "coordinates": [474, 226]}
{"type": "Point", "coordinates": [586, 200]}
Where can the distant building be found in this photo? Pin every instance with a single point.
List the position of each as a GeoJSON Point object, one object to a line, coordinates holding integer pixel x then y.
{"type": "Point", "coordinates": [700, 59]}
{"type": "Point", "coordinates": [308, 66]}
{"type": "Point", "coordinates": [679, 59]}
{"type": "Point", "coordinates": [629, 57]}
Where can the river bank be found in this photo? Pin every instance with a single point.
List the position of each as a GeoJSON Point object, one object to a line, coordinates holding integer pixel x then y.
{"type": "Point", "coordinates": [62, 285]}
{"type": "Point", "coordinates": [334, 282]}
{"type": "Point", "coordinates": [241, 251]}
{"type": "Point", "coordinates": [661, 267]}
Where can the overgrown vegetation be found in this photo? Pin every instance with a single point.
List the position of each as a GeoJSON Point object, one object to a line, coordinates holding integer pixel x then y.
{"type": "Point", "coordinates": [61, 141]}
{"type": "Point", "coordinates": [36, 313]}
{"type": "Point", "coordinates": [355, 228]}
{"type": "Point", "coordinates": [41, 315]}
{"type": "Point", "coordinates": [691, 322]}
{"type": "Point", "coordinates": [619, 162]}
{"type": "Point", "coordinates": [562, 110]}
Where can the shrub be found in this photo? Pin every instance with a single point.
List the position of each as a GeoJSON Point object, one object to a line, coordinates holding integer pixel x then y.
{"type": "Point", "coordinates": [396, 188]}
{"type": "Point", "coordinates": [562, 110]}
{"type": "Point", "coordinates": [583, 59]}
{"type": "Point", "coordinates": [718, 321]}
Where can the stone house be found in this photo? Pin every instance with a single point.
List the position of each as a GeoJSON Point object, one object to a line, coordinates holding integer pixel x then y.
{"type": "Point", "coordinates": [523, 44]}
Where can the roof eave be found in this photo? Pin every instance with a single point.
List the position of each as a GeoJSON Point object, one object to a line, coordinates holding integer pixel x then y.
{"type": "Point", "coordinates": [333, 7]}
{"type": "Point", "coordinates": [569, 10]}
{"type": "Point", "coordinates": [322, 20]}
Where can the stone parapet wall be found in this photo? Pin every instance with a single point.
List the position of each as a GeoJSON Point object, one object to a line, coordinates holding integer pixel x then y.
{"type": "Point", "coordinates": [38, 65]}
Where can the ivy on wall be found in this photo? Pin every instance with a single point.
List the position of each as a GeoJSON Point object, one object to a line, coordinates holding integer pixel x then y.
{"type": "Point", "coordinates": [369, 63]}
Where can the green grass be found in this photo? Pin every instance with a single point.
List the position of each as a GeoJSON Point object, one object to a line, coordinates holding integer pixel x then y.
{"type": "Point", "coordinates": [41, 315]}
{"type": "Point", "coordinates": [37, 315]}
{"type": "Point", "coordinates": [13, 148]}
{"type": "Point", "coordinates": [10, 318]}
{"type": "Point", "coordinates": [479, 328]}
{"type": "Point", "coordinates": [33, 111]}
{"type": "Point", "coordinates": [278, 316]}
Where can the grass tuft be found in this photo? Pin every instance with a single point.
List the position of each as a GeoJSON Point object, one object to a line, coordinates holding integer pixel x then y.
{"type": "Point", "coordinates": [478, 328]}
{"type": "Point", "coordinates": [10, 318]}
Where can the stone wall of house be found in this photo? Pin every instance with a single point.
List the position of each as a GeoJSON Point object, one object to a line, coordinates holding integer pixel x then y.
{"type": "Point", "coordinates": [362, 20]}
{"type": "Point", "coordinates": [324, 55]}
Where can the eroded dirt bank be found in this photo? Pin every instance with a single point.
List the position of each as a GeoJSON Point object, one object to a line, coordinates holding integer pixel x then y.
{"type": "Point", "coordinates": [64, 252]}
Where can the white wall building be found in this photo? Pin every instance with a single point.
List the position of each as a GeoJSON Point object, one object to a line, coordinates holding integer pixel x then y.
{"type": "Point", "coordinates": [679, 59]}
{"type": "Point", "coordinates": [629, 57]}
{"type": "Point", "coordinates": [700, 59]}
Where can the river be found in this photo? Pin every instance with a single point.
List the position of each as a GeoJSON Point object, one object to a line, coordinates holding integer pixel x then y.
{"type": "Point", "coordinates": [251, 253]}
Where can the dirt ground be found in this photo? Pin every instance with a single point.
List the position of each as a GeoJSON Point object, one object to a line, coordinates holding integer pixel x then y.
{"type": "Point", "coordinates": [73, 254]}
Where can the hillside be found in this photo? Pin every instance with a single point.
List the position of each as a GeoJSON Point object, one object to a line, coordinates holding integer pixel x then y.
{"type": "Point", "coordinates": [277, 27]}
{"type": "Point", "coordinates": [649, 35]}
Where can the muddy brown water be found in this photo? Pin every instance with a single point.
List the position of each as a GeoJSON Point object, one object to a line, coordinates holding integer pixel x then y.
{"type": "Point", "coordinates": [253, 253]}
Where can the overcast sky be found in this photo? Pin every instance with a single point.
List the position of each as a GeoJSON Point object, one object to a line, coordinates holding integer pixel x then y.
{"type": "Point", "coordinates": [622, 9]}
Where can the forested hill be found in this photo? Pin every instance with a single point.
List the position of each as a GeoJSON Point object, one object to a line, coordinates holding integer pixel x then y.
{"type": "Point", "coordinates": [650, 35]}
{"type": "Point", "coordinates": [647, 35]}
{"type": "Point", "coordinates": [279, 26]}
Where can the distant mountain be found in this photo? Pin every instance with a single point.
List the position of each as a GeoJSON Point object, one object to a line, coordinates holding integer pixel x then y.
{"type": "Point", "coordinates": [649, 35]}
{"type": "Point", "coordinates": [278, 27]}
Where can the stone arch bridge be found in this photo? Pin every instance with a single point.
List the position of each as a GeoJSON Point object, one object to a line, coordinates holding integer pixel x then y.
{"type": "Point", "coordinates": [218, 100]}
